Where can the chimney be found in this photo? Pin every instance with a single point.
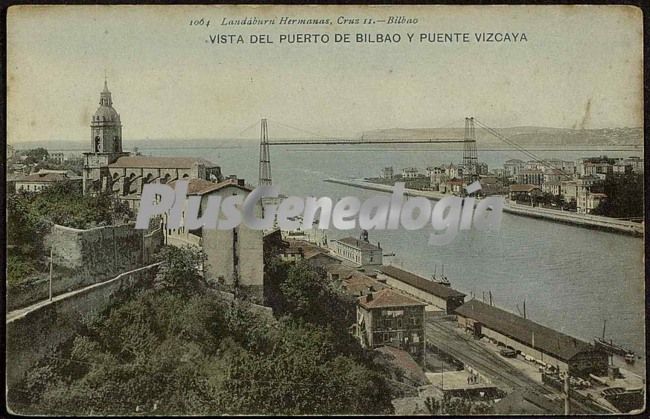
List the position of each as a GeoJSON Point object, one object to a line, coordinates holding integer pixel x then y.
{"type": "Point", "coordinates": [369, 298]}
{"type": "Point", "coordinates": [241, 182]}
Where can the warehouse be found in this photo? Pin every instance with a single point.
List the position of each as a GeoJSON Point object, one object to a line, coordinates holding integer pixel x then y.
{"type": "Point", "coordinates": [545, 345]}
{"type": "Point", "coordinates": [441, 296]}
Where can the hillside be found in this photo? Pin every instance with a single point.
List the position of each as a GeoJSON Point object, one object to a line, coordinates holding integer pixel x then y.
{"type": "Point", "coordinates": [524, 136]}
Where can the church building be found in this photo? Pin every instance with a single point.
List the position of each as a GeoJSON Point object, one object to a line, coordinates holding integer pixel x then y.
{"type": "Point", "coordinates": [108, 168]}
{"type": "Point", "coordinates": [234, 257]}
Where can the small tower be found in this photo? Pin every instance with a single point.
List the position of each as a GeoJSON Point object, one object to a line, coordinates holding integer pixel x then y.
{"type": "Point", "coordinates": [105, 144]}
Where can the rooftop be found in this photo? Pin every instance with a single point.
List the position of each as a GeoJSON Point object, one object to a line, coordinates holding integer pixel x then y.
{"type": "Point", "coordinates": [419, 282]}
{"type": "Point", "coordinates": [161, 162]}
{"type": "Point", "coordinates": [202, 186]}
{"type": "Point", "coordinates": [552, 342]}
{"type": "Point", "coordinates": [455, 181]}
{"type": "Point", "coordinates": [354, 282]}
{"type": "Point", "coordinates": [45, 177]}
{"type": "Point", "coordinates": [388, 298]}
{"type": "Point", "coordinates": [522, 187]}
{"type": "Point", "coordinates": [358, 244]}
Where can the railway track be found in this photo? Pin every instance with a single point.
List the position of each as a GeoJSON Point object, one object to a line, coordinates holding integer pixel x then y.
{"type": "Point", "coordinates": [500, 372]}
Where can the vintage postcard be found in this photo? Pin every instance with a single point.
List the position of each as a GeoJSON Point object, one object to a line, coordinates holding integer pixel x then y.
{"type": "Point", "coordinates": [298, 210]}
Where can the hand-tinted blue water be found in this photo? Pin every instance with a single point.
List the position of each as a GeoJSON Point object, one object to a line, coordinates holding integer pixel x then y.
{"type": "Point", "coordinates": [571, 278]}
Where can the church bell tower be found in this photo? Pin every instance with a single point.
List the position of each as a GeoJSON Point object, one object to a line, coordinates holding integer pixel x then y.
{"type": "Point", "coordinates": [105, 144]}
{"type": "Point", "coordinates": [105, 127]}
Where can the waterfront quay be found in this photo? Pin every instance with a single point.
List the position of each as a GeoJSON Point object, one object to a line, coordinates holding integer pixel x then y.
{"type": "Point", "coordinates": [400, 309]}
{"type": "Point", "coordinates": [565, 217]}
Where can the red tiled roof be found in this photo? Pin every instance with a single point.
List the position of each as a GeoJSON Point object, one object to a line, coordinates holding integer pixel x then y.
{"type": "Point", "coordinates": [355, 283]}
{"type": "Point", "coordinates": [202, 186]}
{"type": "Point", "coordinates": [160, 162]}
{"type": "Point", "coordinates": [388, 298]}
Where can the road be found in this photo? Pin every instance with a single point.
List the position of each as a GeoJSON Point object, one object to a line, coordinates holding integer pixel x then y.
{"type": "Point", "coordinates": [466, 349]}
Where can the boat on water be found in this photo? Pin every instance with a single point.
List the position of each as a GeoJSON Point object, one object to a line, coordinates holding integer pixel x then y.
{"type": "Point", "coordinates": [442, 279]}
{"type": "Point", "coordinates": [612, 348]}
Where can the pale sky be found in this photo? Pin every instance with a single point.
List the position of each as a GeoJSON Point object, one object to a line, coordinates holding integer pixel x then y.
{"type": "Point", "coordinates": [581, 67]}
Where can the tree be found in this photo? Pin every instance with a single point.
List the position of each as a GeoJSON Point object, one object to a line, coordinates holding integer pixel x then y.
{"type": "Point", "coordinates": [36, 155]}
{"type": "Point", "coordinates": [180, 270]}
{"type": "Point", "coordinates": [166, 352]}
{"type": "Point", "coordinates": [624, 196]}
{"type": "Point", "coordinates": [306, 293]}
{"type": "Point", "coordinates": [24, 239]}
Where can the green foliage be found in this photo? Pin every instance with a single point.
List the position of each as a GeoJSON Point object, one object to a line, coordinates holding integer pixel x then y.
{"type": "Point", "coordinates": [457, 406]}
{"type": "Point", "coordinates": [624, 196]}
{"type": "Point", "coordinates": [306, 293]}
{"type": "Point", "coordinates": [30, 215]}
{"type": "Point", "coordinates": [20, 269]}
{"type": "Point", "coordinates": [180, 271]}
{"type": "Point", "coordinates": [165, 352]}
{"type": "Point", "coordinates": [175, 349]}
{"type": "Point", "coordinates": [36, 155]}
{"type": "Point", "coordinates": [63, 203]}
{"type": "Point", "coordinates": [25, 234]}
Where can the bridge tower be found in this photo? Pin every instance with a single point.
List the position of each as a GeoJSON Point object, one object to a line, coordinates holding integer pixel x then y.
{"type": "Point", "coordinates": [470, 155]}
{"type": "Point", "coordinates": [265, 156]}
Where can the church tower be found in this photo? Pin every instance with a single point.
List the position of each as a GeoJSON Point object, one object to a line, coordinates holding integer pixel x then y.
{"type": "Point", "coordinates": [105, 144]}
{"type": "Point", "coordinates": [105, 127]}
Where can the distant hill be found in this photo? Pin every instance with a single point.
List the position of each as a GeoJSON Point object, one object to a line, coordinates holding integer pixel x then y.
{"type": "Point", "coordinates": [524, 136]}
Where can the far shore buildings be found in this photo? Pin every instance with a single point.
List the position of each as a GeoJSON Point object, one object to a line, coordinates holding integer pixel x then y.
{"type": "Point", "coordinates": [387, 173]}
{"type": "Point", "coordinates": [524, 192]}
{"type": "Point", "coordinates": [410, 173]}
{"type": "Point", "coordinates": [234, 257]}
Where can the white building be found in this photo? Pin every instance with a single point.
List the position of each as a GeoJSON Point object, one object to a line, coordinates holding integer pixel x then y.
{"type": "Point", "coordinates": [357, 252]}
{"type": "Point", "coordinates": [513, 166]}
{"type": "Point", "coordinates": [410, 173]}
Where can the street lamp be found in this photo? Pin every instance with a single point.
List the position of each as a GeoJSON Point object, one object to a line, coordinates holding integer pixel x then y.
{"type": "Point", "coordinates": [51, 268]}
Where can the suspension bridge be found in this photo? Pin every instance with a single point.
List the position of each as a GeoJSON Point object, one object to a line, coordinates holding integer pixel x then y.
{"type": "Point", "coordinates": [470, 154]}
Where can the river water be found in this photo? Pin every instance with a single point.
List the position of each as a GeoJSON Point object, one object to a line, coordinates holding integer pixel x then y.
{"type": "Point", "coordinates": [571, 278]}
